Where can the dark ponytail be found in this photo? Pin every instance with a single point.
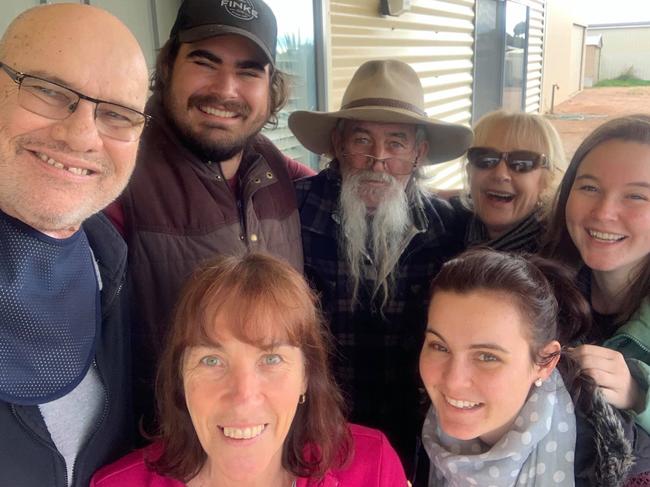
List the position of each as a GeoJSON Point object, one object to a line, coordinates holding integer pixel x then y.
{"type": "Point", "coordinates": [574, 322]}
{"type": "Point", "coordinates": [573, 310]}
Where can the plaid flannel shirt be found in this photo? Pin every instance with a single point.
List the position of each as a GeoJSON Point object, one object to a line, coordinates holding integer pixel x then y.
{"type": "Point", "coordinates": [376, 354]}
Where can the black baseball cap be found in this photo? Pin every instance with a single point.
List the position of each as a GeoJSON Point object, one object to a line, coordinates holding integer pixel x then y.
{"type": "Point", "coordinates": [253, 19]}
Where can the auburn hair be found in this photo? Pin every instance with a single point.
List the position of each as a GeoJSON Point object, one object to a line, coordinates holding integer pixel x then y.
{"type": "Point", "coordinates": [257, 297]}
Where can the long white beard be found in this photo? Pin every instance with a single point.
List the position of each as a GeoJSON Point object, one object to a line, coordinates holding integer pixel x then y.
{"type": "Point", "coordinates": [378, 235]}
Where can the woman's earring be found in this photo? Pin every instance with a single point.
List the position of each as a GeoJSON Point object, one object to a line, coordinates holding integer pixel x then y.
{"type": "Point", "coordinates": [303, 398]}
{"type": "Point", "coordinates": [538, 382]}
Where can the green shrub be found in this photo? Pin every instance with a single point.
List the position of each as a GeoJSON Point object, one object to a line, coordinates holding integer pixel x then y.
{"type": "Point", "coordinates": [627, 75]}
{"type": "Point", "coordinates": [622, 82]}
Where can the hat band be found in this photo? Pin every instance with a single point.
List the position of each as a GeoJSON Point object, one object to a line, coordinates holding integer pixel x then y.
{"type": "Point", "coordinates": [386, 102]}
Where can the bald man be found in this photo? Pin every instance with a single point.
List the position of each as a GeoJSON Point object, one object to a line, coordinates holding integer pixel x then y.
{"type": "Point", "coordinates": [73, 83]}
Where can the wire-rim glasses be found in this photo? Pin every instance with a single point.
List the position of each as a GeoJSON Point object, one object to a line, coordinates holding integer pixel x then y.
{"type": "Point", "coordinates": [394, 165]}
{"type": "Point", "coordinates": [57, 102]}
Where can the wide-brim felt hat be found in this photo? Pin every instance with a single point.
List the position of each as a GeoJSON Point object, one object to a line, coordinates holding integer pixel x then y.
{"type": "Point", "coordinates": [385, 91]}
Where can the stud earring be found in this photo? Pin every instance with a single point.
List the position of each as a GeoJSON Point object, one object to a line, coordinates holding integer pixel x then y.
{"type": "Point", "coordinates": [302, 399]}
{"type": "Point", "coordinates": [538, 382]}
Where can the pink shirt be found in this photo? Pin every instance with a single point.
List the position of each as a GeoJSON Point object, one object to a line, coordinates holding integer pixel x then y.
{"type": "Point", "coordinates": [374, 464]}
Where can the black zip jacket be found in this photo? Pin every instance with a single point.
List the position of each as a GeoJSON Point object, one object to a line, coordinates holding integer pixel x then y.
{"type": "Point", "coordinates": [28, 457]}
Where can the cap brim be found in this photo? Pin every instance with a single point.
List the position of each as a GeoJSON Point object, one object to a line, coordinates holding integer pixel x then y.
{"type": "Point", "coordinates": [211, 30]}
{"type": "Point", "coordinates": [447, 141]}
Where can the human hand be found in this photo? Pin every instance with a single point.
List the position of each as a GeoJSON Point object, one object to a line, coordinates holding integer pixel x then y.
{"type": "Point", "coordinates": [610, 372]}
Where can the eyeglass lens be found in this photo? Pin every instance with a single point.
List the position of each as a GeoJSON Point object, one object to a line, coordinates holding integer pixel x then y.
{"type": "Point", "coordinates": [394, 165]}
{"type": "Point", "coordinates": [53, 101]}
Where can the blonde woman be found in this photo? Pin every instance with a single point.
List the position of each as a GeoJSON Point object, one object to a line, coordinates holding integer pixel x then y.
{"type": "Point", "coordinates": [510, 171]}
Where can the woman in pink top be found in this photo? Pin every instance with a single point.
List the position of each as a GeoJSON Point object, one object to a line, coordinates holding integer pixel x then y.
{"type": "Point", "coordinates": [245, 397]}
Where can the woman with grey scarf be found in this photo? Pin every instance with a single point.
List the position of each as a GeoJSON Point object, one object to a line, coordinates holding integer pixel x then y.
{"type": "Point", "coordinates": [509, 406]}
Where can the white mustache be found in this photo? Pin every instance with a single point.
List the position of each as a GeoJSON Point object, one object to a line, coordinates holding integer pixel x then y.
{"type": "Point", "coordinates": [379, 177]}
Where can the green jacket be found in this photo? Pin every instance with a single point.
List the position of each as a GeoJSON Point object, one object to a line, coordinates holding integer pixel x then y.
{"type": "Point", "coordinates": [633, 341]}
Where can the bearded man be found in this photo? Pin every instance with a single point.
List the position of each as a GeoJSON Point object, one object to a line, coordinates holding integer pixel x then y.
{"type": "Point", "coordinates": [373, 239]}
{"type": "Point", "coordinates": [206, 182]}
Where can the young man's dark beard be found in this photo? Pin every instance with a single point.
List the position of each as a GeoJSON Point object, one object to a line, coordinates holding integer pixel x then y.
{"type": "Point", "coordinates": [210, 150]}
{"type": "Point", "coordinates": [203, 147]}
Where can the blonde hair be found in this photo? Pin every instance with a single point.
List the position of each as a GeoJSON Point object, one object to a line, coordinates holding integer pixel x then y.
{"type": "Point", "coordinates": [523, 130]}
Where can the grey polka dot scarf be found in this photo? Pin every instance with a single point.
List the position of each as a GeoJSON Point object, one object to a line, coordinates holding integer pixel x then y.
{"type": "Point", "coordinates": [49, 313]}
{"type": "Point", "coordinates": [538, 450]}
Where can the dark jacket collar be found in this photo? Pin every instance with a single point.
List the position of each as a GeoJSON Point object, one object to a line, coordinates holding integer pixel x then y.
{"type": "Point", "coordinates": [110, 254]}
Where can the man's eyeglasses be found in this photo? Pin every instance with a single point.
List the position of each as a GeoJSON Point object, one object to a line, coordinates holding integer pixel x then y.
{"type": "Point", "coordinates": [52, 100]}
{"type": "Point", "coordinates": [519, 161]}
{"type": "Point", "coordinates": [394, 165]}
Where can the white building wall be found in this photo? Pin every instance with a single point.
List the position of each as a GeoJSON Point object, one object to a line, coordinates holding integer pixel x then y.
{"type": "Point", "coordinates": [624, 48]}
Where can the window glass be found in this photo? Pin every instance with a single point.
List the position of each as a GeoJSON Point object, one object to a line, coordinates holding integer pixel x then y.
{"type": "Point", "coordinates": [295, 56]}
{"type": "Point", "coordinates": [488, 65]}
{"type": "Point", "coordinates": [10, 10]}
{"type": "Point", "coordinates": [514, 76]}
{"type": "Point", "coordinates": [138, 18]}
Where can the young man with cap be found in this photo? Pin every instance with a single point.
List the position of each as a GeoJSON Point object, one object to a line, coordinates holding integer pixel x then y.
{"type": "Point", "coordinates": [373, 239]}
{"type": "Point", "coordinates": [73, 84]}
{"type": "Point", "coordinates": [206, 182]}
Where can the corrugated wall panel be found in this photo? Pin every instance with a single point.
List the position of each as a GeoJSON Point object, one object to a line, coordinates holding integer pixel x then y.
{"type": "Point", "coordinates": [451, 174]}
{"type": "Point", "coordinates": [536, 20]}
{"type": "Point", "coordinates": [436, 37]}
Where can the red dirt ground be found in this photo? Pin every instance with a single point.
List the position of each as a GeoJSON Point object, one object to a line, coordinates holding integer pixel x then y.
{"type": "Point", "coordinates": [576, 118]}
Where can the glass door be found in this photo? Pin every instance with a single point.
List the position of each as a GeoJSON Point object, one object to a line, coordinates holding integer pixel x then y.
{"type": "Point", "coordinates": [296, 56]}
{"type": "Point", "coordinates": [500, 56]}
{"type": "Point", "coordinates": [516, 56]}
{"type": "Point", "coordinates": [488, 57]}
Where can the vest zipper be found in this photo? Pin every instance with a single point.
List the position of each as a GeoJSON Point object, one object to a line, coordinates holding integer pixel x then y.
{"type": "Point", "coordinates": [97, 423]}
{"type": "Point", "coordinates": [42, 440]}
{"type": "Point", "coordinates": [238, 203]}
{"type": "Point", "coordinates": [106, 395]}
{"type": "Point", "coordinates": [53, 448]}
{"type": "Point", "coordinates": [242, 220]}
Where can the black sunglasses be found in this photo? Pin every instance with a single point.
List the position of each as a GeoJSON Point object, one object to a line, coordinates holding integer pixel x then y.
{"type": "Point", "coordinates": [520, 161]}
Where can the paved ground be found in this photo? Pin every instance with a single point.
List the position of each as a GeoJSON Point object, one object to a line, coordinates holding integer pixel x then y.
{"type": "Point", "coordinates": [577, 117]}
